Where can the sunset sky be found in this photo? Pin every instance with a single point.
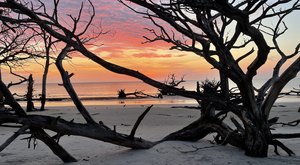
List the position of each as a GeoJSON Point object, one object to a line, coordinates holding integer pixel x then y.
{"type": "Point", "coordinates": [122, 45]}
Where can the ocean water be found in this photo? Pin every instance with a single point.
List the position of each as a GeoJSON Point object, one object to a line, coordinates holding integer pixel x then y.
{"type": "Point", "coordinates": [106, 92]}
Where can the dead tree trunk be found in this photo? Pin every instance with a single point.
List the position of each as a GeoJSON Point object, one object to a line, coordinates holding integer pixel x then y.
{"type": "Point", "coordinates": [224, 85]}
{"type": "Point", "coordinates": [29, 95]}
{"type": "Point", "coordinates": [44, 81]}
{"type": "Point", "coordinates": [48, 43]}
{"type": "Point", "coordinates": [1, 94]}
{"type": "Point", "coordinates": [257, 140]}
{"type": "Point", "coordinates": [206, 124]}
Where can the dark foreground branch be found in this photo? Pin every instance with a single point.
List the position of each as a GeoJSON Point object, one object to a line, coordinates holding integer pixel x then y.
{"type": "Point", "coordinates": [94, 131]}
{"type": "Point", "coordinates": [277, 144]}
{"type": "Point", "coordinates": [139, 120]}
{"type": "Point", "coordinates": [202, 127]}
{"type": "Point", "coordinates": [55, 147]}
{"type": "Point", "coordinates": [286, 136]}
{"type": "Point", "coordinates": [292, 123]}
{"type": "Point", "coordinates": [69, 87]}
{"type": "Point", "coordinates": [13, 137]}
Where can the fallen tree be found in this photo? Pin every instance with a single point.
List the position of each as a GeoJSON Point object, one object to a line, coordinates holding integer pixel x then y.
{"type": "Point", "coordinates": [136, 94]}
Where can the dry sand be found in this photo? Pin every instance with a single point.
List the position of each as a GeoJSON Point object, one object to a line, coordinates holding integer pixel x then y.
{"type": "Point", "coordinates": [160, 121]}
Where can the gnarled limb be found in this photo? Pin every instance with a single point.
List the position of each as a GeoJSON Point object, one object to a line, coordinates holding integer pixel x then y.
{"type": "Point", "coordinates": [37, 131]}
{"type": "Point", "coordinates": [94, 131]}
{"type": "Point", "coordinates": [202, 127]}
{"type": "Point", "coordinates": [69, 88]}
{"type": "Point", "coordinates": [277, 143]}
{"type": "Point", "coordinates": [290, 73]}
{"type": "Point", "coordinates": [285, 136]}
{"type": "Point", "coordinates": [53, 145]}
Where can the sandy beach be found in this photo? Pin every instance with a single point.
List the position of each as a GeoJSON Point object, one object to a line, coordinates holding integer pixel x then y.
{"type": "Point", "coordinates": [161, 120]}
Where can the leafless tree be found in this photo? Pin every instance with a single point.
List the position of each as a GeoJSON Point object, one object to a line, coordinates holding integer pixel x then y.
{"type": "Point", "coordinates": [20, 15]}
{"type": "Point", "coordinates": [204, 24]}
{"type": "Point", "coordinates": [47, 44]}
{"type": "Point", "coordinates": [17, 45]}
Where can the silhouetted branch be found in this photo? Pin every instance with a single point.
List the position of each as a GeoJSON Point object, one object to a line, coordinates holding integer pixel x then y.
{"type": "Point", "coordinates": [139, 120]}
{"type": "Point", "coordinates": [13, 137]}
{"type": "Point", "coordinates": [69, 88]}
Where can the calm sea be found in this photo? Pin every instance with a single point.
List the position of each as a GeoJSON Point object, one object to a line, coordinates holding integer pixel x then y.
{"type": "Point", "coordinates": [107, 92]}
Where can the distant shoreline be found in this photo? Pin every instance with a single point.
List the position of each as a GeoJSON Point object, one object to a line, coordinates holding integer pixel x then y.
{"type": "Point", "coordinates": [83, 98]}
{"type": "Point", "coordinates": [284, 95]}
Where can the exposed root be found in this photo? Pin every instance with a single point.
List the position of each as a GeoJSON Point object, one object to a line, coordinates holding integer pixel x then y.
{"type": "Point", "coordinates": [292, 123]}
{"type": "Point", "coordinates": [277, 144]}
{"type": "Point", "coordinates": [195, 149]}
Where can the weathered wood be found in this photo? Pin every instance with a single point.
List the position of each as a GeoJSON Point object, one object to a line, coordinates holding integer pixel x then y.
{"type": "Point", "coordinates": [285, 136]}
{"type": "Point", "coordinates": [29, 95]}
{"type": "Point", "coordinates": [202, 127]}
{"type": "Point", "coordinates": [94, 131]}
{"type": "Point", "coordinates": [53, 145]}
{"type": "Point", "coordinates": [44, 80]}
{"type": "Point", "coordinates": [276, 143]}
{"type": "Point", "coordinates": [139, 120]}
{"type": "Point", "coordinates": [13, 137]}
{"type": "Point", "coordinates": [1, 94]}
{"type": "Point", "coordinates": [40, 134]}
{"type": "Point", "coordinates": [48, 43]}
{"type": "Point", "coordinates": [256, 142]}
{"type": "Point", "coordinates": [69, 87]}
{"type": "Point", "coordinates": [11, 101]}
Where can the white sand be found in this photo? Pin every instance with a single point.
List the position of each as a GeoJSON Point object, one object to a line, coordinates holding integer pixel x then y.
{"type": "Point", "coordinates": [160, 121]}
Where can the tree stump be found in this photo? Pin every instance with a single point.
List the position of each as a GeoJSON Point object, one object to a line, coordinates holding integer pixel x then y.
{"type": "Point", "coordinates": [29, 95]}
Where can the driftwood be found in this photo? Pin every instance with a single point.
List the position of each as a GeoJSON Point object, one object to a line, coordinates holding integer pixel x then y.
{"type": "Point", "coordinates": [138, 94]}
{"type": "Point", "coordinates": [295, 91]}
{"type": "Point", "coordinates": [172, 82]}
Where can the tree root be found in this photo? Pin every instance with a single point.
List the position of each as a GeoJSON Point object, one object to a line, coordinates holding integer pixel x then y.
{"type": "Point", "coordinates": [292, 123]}
{"type": "Point", "coordinates": [202, 127]}
{"type": "Point", "coordinates": [286, 136]}
{"type": "Point", "coordinates": [277, 144]}
{"type": "Point", "coordinates": [195, 149]}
